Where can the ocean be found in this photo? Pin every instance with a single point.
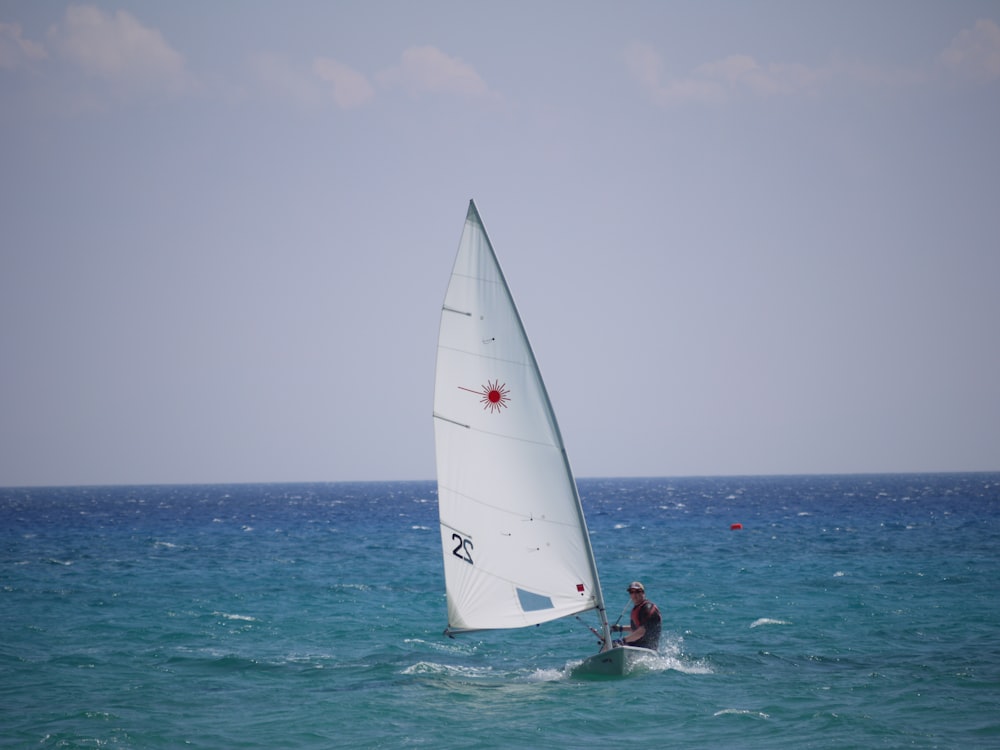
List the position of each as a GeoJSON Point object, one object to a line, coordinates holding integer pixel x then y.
{"type": "Point", "coordinates": [847, 612]}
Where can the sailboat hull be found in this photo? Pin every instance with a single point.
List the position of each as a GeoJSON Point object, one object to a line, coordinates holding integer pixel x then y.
{"type": "Point", "coordinates": [615, 662]}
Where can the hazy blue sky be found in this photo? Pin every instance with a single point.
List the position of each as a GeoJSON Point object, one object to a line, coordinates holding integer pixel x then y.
{"type": "Point", "coordinates": [744, 237]}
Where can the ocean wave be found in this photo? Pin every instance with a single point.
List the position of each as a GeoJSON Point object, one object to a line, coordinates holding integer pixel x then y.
{"type": "Point", "coordinates": [241, 618]}
{"type": "Point", "coordinates": [666, 663]}
{"type": "Point", "coordinates": [547, 675]}
{"type": "Point", "coordinates": [742, 712]}
{"type": "Point", "coordinates": [768, 621]}
{"type": "Point", "coordinates": [446, 670]}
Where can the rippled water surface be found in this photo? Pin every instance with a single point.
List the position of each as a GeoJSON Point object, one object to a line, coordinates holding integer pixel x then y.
{"type": "Point", "coordinates": [850, 611]}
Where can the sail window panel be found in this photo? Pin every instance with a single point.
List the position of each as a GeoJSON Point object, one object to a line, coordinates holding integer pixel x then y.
{"type": "Point", "coordinates": [531, 602]}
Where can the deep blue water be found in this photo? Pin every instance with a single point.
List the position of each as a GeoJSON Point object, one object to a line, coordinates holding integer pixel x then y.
{"type": "Point", "coordinates": [849, 611]}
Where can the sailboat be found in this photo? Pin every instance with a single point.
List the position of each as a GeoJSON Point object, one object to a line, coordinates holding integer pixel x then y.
{"type": "Point", "coordinates": [516, 547]}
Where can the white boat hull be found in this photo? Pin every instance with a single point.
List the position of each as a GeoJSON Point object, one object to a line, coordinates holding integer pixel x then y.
{"type": "Point", "coordinates": [615, 662]}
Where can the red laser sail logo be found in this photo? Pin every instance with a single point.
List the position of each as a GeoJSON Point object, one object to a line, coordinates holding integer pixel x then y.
{"type": "Point", "coordinates": [495, 395]}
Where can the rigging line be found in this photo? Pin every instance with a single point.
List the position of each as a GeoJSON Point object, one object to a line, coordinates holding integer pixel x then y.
{"type": "Point", "coordinates": [592, 630]}
{"type": "Point", "coordinates": [623, 613]}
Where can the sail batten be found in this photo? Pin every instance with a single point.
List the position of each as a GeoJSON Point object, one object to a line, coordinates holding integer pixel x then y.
{"type": "Point", "coordinates": [452, 421]}
{"type": "Point", "coordinates": [501, 460]}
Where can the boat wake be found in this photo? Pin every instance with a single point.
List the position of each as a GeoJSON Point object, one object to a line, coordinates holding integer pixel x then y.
{"type": "Point", "coordinates": [669, 658]}
{"type": "Point", "coordinates": [426, 668]}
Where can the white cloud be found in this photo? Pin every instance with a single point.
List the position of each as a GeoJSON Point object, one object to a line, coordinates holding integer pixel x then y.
{"type": "Point", "coordinates": [975, 53]}
{"type": "Point", "coordinates": [646, 66]}
{"type": "Point", "coordinates": [350, 88]}
{"type": "Point", "coordinates": [279, 77]}
{"type": "Point", "coordinates": [877, 76]}
{"type": "Point", "coordinates": [15, 50]}
{"type": "Point", "coordinates": [742, 72]}
{"type": "Point", "coordinates": [119, 49]}
{"type": "Point", "coordinates": [721, 79]}
{"type": "Point", "coordinates": [314, 86]}
{"type": "Point", "coordinates": [422, 70]}
{"type": "Point", "coordinates": [428, 70]}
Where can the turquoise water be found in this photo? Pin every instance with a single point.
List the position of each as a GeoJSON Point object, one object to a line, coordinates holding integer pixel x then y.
{"type": "Point", "coordinates": [848, 612]}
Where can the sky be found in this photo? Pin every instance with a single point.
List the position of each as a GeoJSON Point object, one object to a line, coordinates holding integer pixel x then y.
{"type": "Point", "coordinates": [744, 238]}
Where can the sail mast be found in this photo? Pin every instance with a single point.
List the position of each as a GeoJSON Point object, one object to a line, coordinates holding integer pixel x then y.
{"type": "Point", "coordinates": [598, 593]}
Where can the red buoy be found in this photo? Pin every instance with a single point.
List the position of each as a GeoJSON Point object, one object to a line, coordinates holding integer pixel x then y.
{"type": "Point", "coordinates": [736, 527]}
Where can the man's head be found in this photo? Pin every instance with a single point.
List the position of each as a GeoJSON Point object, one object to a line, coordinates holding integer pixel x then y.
{"type": "Point", "coordinates": [637, 591]}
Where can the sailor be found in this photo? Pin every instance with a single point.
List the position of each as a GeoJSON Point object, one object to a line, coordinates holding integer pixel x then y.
{"type": "Point", "coordinates": [644, 631]}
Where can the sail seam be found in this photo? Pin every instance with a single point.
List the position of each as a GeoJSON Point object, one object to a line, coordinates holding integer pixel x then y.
{"type": "Point", "coordinates": [516, 514]}
{"type": "Point", "coordinates": [549, 444]}
{"type": "Point", "coordinates": [517, 362]}
{"type": "Point", "coordinates": [484, 279]}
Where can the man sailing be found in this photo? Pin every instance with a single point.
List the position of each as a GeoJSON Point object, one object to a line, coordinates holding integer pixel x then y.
{"type": "Point", "coordinates": [644, 632]}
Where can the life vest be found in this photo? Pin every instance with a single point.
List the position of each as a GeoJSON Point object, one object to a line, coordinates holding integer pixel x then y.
{"type": "Point", "coordinates": [651, 638]}
{"type": "Point", "coordinates": [648, 607]}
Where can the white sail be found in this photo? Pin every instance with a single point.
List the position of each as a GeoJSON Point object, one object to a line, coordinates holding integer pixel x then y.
{"type": "Point", "coordinates": [515, 543]}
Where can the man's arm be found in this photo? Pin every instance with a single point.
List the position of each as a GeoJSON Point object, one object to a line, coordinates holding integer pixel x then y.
{"type": "Point", "coordinates": [635, 635]}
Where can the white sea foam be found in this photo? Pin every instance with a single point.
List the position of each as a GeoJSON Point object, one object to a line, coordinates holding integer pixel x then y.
{"type": "Point", "coordinates": [742, 712]}
{"type": "Point", "coordinates": [447, 670]}
{"type": "Point", "coordinates": [670, 657]}
{"type": "Point", "coordinates": [547, 675]}
{"type": "Point", "coordinates": [768, 621]}
{"type": "Point", "coordinates": [664, 663]}
{"type": "Point", "coordinates": [449, 645]}
{"type": "Point", "coordinates": [228, 616]}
